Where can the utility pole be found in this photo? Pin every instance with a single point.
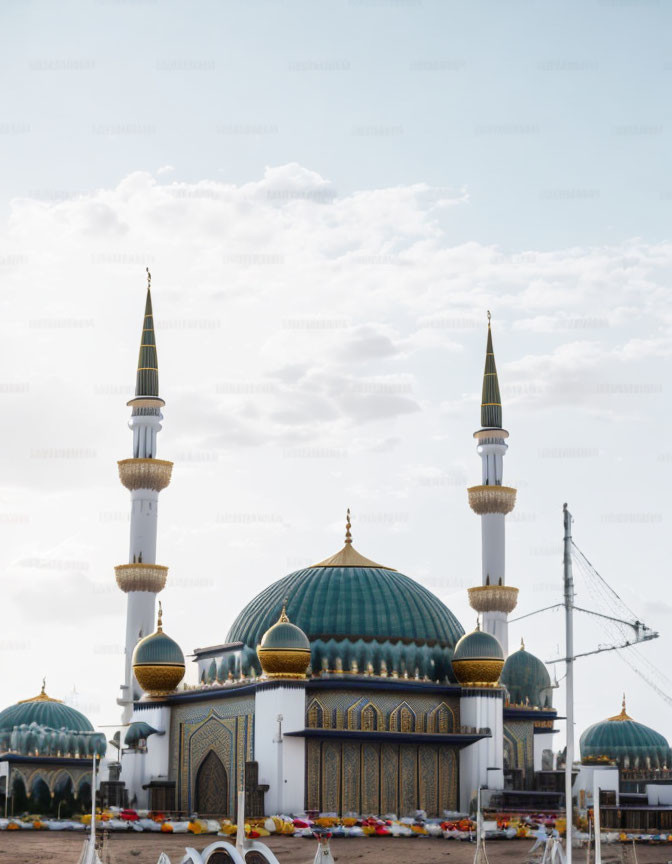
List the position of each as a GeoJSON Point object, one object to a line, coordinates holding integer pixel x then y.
{"type": "Point", "coordinates": [569, 659]}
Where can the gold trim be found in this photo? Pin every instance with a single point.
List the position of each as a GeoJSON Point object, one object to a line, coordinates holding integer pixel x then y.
{"type": "Point", "coordinates": [284, 663]}
{"type": "Point", "coordinates": [491, 432]}
{"type": "Point", "coordinates": [349, 557]}
{"type": "Point", "coordinates": [159, 680]}
{"type": "Point", "coordinates": [141, 577]}
{"type": "Point", "coordinates": [493, 598]}
{"type": "Point", "coordinates": [145, 473]}
{"type": "Point", "coordinates": [478, 672]}
{"type": "Point", "coordinates": [146, 402]}
{"type": "Point", "coordinates": [492, 499]}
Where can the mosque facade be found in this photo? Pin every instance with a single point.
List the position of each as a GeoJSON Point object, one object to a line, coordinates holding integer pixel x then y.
{"type": "Point", "coordinates": [345, 687]}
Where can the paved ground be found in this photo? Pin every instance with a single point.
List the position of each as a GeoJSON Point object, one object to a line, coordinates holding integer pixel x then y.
{"type": "Point", "coordinates": [28, 848]}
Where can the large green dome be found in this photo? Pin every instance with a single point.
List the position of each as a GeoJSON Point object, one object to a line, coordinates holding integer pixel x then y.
{"type": "Point", "coordinates": [45, 712]}
{"type": "Point", "coordinates": [358, 615]}
{"type": "Point", "coordinates": [627, 742]}
{"type": "Point", "coordinates": [527, 680]}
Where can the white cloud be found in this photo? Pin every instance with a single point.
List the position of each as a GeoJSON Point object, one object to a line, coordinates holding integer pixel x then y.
{"type": "Point", "coordinates": [317, 350]}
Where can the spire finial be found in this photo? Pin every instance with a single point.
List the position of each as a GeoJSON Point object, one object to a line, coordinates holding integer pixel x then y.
{"type": "Point", "coordinates": [624, 714]}
{"type": "Point", "coordinates": [149, 281]}
{"type": "Point", "coordinates": [348, 526]}
{"type": "Point", "coordinates": [489, 315]}
{"type": "Point", "coordinates": [522, 644]}
{"type": "Point", "coordinates": [159, 620]}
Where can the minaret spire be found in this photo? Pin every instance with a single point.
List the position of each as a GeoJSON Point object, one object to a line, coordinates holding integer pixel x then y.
{"type": "Point", "coordinates": [492, 501]}
{"type": "Point", "coordinates": [147, 379]}
{"type": "Point", "coordinates": [491, 401]}
{"type": "Point", "coordinates": [144, 476]}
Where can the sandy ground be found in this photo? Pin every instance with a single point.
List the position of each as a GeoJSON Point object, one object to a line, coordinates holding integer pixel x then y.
{"type": "Point", "coordinates": [29, 848]}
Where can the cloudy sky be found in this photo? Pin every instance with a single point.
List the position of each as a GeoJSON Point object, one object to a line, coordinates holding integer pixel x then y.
{"type": "Point", "coordinates": [329, 199]}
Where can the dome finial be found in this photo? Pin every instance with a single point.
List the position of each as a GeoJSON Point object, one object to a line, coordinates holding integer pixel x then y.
{"type": "Point", "coordinates": [348, 526]}
{"type": "Point", "coordinates": [159, 620]}
{"type": "Point", "coordinates": [283, 615]}
{"type": "Point", "coordinates": [43, 691]}
{"type": "Point", "coordinates": [522, 644]}
{"type": "Point", "coordinates": [624, 714]}
{"type": "Point", "coordinates": [478, 623]}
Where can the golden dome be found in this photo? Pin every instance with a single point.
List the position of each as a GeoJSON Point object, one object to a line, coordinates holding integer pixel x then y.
{"type": "Point", "coordinates": [158, 662]}
{"type": "Point", "coordinates": [284, 650]}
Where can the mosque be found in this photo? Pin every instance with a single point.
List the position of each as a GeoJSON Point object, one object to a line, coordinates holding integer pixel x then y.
{"type": "Point", "coordinates": [343, 687]}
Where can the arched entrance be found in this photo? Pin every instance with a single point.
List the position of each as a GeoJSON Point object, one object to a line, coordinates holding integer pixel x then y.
{"type": "Point", "coordinates": [212, 787]}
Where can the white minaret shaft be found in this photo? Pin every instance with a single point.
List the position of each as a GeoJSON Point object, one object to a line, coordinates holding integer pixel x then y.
{"type": "Point", "coordinates": [492, 501]}
{"type": "Point", "coordinates": [144, 475]}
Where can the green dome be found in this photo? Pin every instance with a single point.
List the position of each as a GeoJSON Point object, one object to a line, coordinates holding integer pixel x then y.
{"type": "Point", "coordinates": [527, 680]}
{"type": "Point", "coordinates": [354, 611]}
{"type": "Point", "coordinates": [478, 645]}
{"type": "Point", "coordinates": [45, 712]}
{"type": "Point", "coordinates": [157, 649]}
{"type": "Point", "coordinates": [285, 636]}
{"type": "Point", "coordinates": [627, 742]}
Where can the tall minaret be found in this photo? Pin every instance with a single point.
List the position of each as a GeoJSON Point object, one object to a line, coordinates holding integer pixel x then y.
{"type": "Point", "coordinates": [145, 476]}
{"type": "Point", "coordinates": [492, 501]}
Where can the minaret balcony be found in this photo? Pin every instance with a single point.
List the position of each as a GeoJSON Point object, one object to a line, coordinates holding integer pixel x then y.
{"type": "Point", "coordinates": [141, 577]}
{"type": "Point", "coordinates": [145, 473]}
{"type": "Point", "coordinates": [492, 499]}
{"type": "Point", "coordinates": [493, 598]}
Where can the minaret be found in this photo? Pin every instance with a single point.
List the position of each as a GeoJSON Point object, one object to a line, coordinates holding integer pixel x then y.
{"type": "Point", "coordinates": [145, 476]}
{"type": "Point", "coordinates": [492, 501]}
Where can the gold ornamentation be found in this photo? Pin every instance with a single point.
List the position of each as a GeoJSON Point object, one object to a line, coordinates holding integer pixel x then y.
{"type": "Point", "coordinates": [623, 715]}
{"type": "Point", "coordinates": [41, 696]}
{"type": "Point", "coordinates": [141, 577]}
{"type": "Point", "coordinates": [159, 680]}
{"type": "Point", "coordinates": [277, 663]}
{"type": "Point", "coordinates": [478, 673]}
{"type": "Point", "coordinates": [492, 499]}
{"type": "Point", "coordinates": [493, 598]}
{"type": "Point", "coordinates": [145, 473]}
{"type": "Point", "coordinates": [349, 556]}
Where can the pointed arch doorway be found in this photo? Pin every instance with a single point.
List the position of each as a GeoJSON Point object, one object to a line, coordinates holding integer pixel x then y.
{"type": "Point", "coordinates": [212, 787]}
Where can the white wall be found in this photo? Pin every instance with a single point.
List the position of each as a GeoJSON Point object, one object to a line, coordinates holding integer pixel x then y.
{"type": "Point", "coordinates": [281, 764]}
{"type": "Point", "coordinates": [482, 763]}
{"type": "Point", "coordinates": [607, 780]}
{"type": "Point", "coordinates": [138, 769]}
{"type": "Point", "coordinates": [659, 795]}
{"type": "Point", "coordinates": [542, 741]}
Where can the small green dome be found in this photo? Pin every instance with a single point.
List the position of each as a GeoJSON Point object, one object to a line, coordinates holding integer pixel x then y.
{"type": "Point", "coordinates": [627, 742]}
{"type": "Point", "coordinates": [478, 645]}
{"type": "Point", "coordinates": [158, 649]}
{"type": "Point", "coordinates": [45, 712]}
{"type": "Point", "coordinates": [285, 636]}
{"type": "Point", "coordinates": [527, 680]}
